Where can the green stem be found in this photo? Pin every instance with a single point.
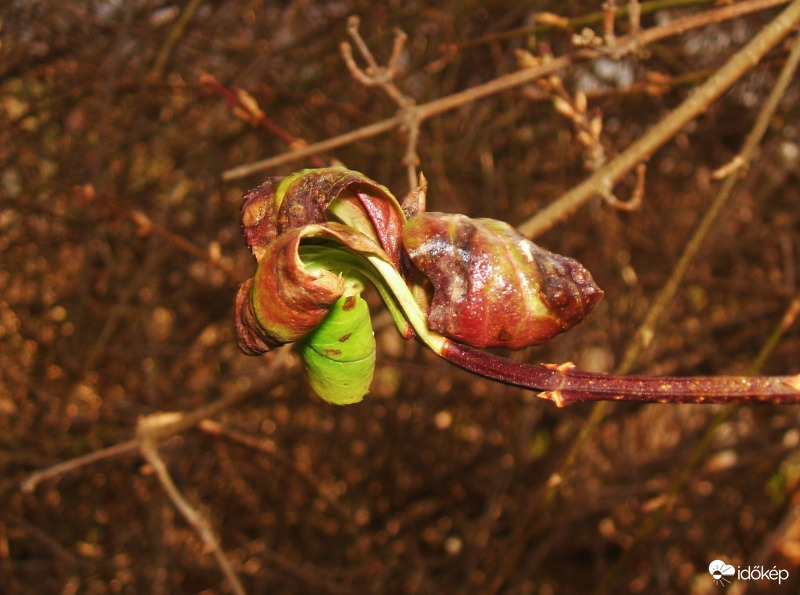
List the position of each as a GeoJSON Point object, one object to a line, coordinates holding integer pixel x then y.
{"type": "Point", "coordinates": [349, 264]}
{"type": "Point", "coordinates": [413, 312]}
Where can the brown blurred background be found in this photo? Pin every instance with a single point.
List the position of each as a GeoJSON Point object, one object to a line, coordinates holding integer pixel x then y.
{"type": "Point", "coordinates": [426, 486]}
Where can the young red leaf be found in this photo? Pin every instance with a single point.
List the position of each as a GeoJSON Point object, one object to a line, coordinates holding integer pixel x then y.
{"type": "Point", "coordinates": [302, 198]}
{"type": "Point", "coordinates": [288, 298]}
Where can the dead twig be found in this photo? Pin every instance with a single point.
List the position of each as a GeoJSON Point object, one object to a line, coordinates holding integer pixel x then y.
{"type": "Point", "coordinates": [503, 83]}
{"type": "Point", "coordinates": [383, 77]}
{"type": "Point", "coordinates": [546, 21]}
{"type": "Point", "coordinates": [605, 178]}
{"type": "Point", "coordinates": [179, 422]}
{"type": "Point", "coordinates": [635, 200]}
{"type": "Point", "coordinates": [610, 40]}
{"type": "Point", "coordinates": [646, 331]}
{"type": "Point", "coordinates": [149, 448]}
{"type": "Point", "coordinates": [35, 478]}
{"type": "Point", "coordinates": [421, 112]}
{"type": "Point", "coordinates": [246, 108]}
{"type": "Point", "coordinates": [216, 429]}
{"type": "Point", "coordinates": [211, 256]}
{"type": "Point", "coordinates": [150, 431]}
{"type": "Point", "coordinates": [588, 129]}
{"type": "Point", "coordinates": [178, 30]}
{"type": "Point", "coordinates": [699, 453]}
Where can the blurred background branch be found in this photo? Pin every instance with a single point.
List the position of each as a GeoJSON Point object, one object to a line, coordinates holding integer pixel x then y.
{"type": "Point", "coordinates": [102, 325]}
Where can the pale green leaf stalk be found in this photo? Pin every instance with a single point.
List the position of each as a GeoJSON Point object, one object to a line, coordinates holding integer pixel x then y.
{"type": "Point", "coordinates": [339, 355]}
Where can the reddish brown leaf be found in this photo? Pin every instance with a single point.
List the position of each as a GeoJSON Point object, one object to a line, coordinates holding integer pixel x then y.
{"type": "Point", "coordinates": [281, 204]}
{"type": "Point", "coordinates": [492, 286]}
{"type": "Point", "coordinates": [286, 300]}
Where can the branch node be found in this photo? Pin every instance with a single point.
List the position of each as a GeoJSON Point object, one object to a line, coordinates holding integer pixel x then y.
{"type": "Point", "coordinates": [373, 74]}
{"type": "Point", "coordinates": [635, 201]}
{"type": "Point", "coordinates": [383, 76]}
{"type": "Point", "coordinates": [737, 164]}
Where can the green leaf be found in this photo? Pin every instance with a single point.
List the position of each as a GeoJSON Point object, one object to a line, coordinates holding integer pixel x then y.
{"type": "Point", "coordinates": [307, 197]}
{"type": "Point", "coordinates": [339, 356]}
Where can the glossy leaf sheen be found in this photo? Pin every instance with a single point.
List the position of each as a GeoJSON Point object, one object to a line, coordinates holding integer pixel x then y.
{"type": "Point", "coordinates": [339, 355]}
{"type": "Point", "coordinates": [492, 287]}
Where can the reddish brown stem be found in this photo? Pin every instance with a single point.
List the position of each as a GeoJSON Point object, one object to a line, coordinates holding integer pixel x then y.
{"type": "Point", "coordinates": [565, 384]}
{"type": "Point", "coordinates": [256, 117]}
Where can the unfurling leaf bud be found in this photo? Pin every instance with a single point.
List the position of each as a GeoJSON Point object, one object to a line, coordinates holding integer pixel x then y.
{"type": "Point", "coordinates": [305, 197]}
{"type": "Point", "coordinates": [320, 235]}
{"type": "Point", "coordinates": [288, 297]}
{"type": "Point", "coordinates": [492, 287]}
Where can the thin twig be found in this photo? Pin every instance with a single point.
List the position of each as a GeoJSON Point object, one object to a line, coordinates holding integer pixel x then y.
{"type": "Point", "coordinates": [546, 22]}
{"type": "Point", "coordinates": [120, 309]}
{"type": "Point", "coordinates": [646, 331]}
{"type": "Point", "coordinates": [604, 179]}
{"type": "Point", "coordinates": [158, 427]}
{"type": "Point", "coordinates": [600, 410]}
{"type": "Point", "coordinates": [653, 519]}
{"type": "Point", "coordinates": [180, 422]}
{"type": "Point", "coordinates": [149, 448]}
{"type": "Point", "coordinates": [64, 556]}
{"type": "Point", "coordinates": [244, 106]}
{"type": "Point", "coordinates": [383, 77]}
{"type": "Point", "coordinates": [175, 34]}
{"type": "Point", "coordinates": [216, 429]}
{"type": "Point", "coordinates": [147, 227]}
{"type": "Point", "coordinates": [790, 317]}
{"type": "Point", "coordinates": [275, 372]}
{"type": "Point", "coordinates": [588, 126]}
{"type": "Point", "coordinates": [609, 17]}
{"type": "Point", "coordinates": [786, 322]}
{"type": "Point", "coordinates": [502, 83]}
{"type": "Point", "coordinates": [649, 525]}
{"type": "Point", "coordinates": [564, 384]}
{"type": "Point", "coordinates": [362, 133]}
{"type": "Point", "coordinates": [35, 478]}
{"type": "Point", "coordinates": [634, 16]}
{"type": "Point", "coordinates": [423, 112]}
{"type": "Point", "coordinates": [635, 200]}
{"type": "Point", "coordinates": [151, 430]}
{"type": "Point", "coordinates": [709, 17]}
